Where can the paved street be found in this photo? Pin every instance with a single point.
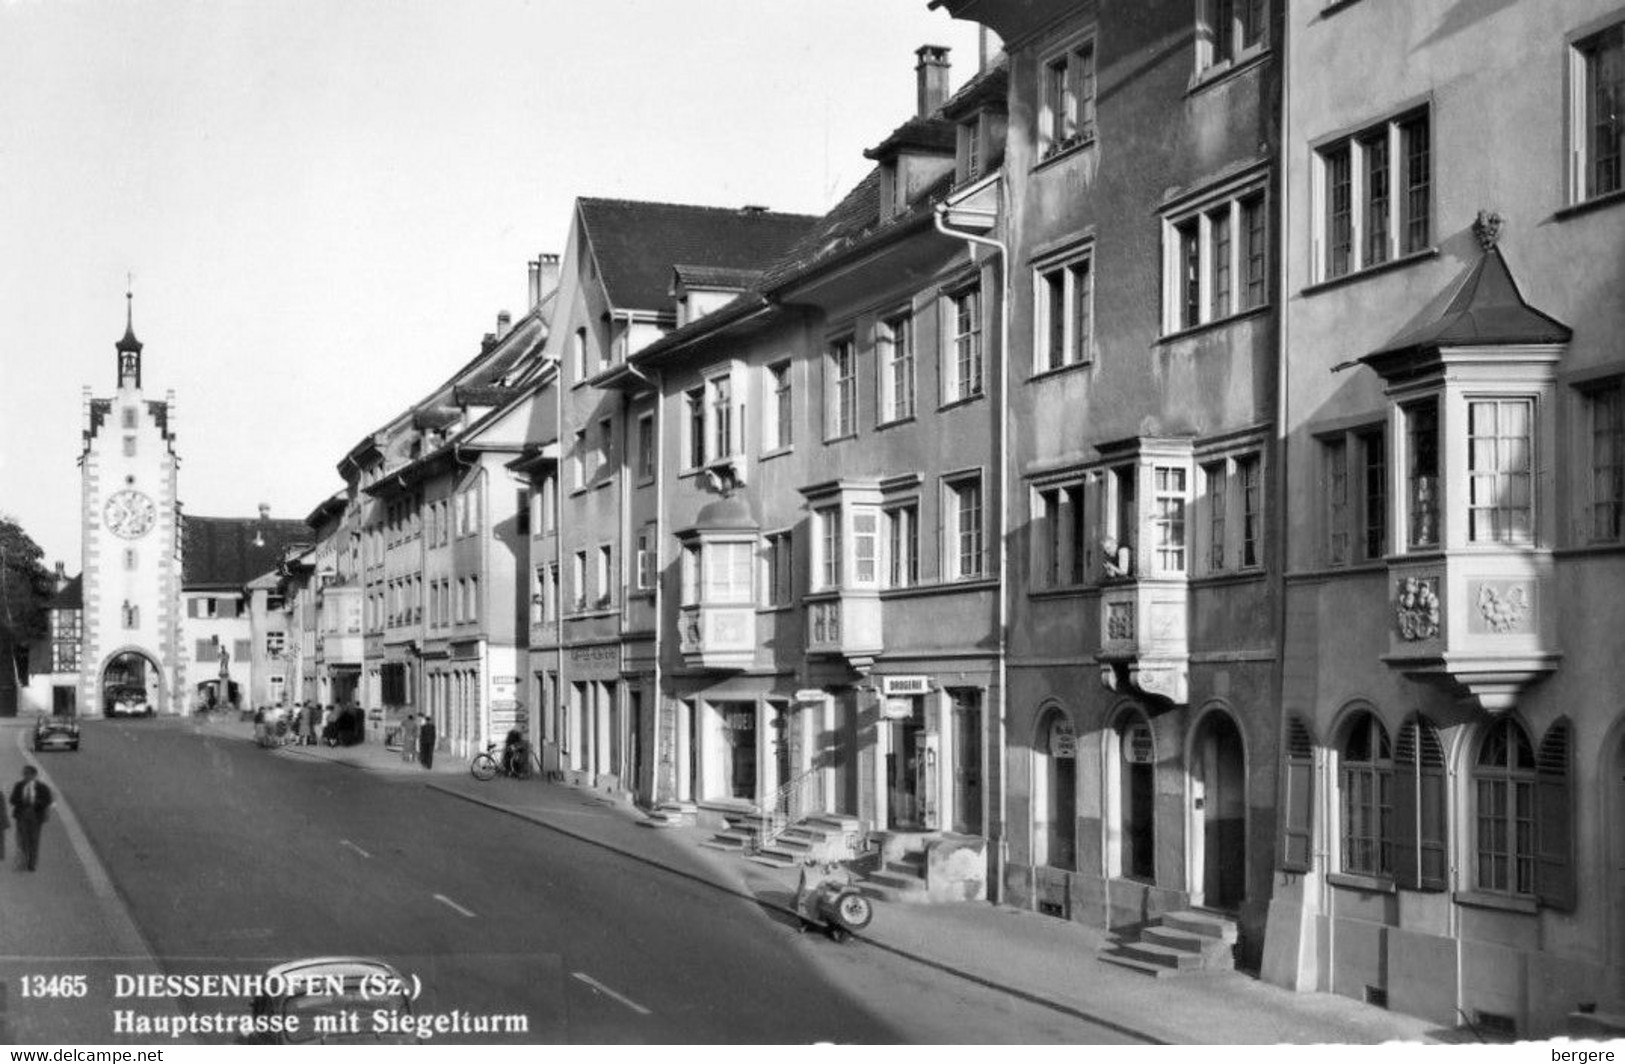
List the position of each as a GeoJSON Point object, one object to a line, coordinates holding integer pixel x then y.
{"type": "Point", "coordinates": [232, 859]}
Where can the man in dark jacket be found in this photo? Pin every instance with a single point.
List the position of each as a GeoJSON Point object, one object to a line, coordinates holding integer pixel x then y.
{"type": "Point", "coordinates": [426, 742]}
{"type": "Point", "coordinates": [30, 801]}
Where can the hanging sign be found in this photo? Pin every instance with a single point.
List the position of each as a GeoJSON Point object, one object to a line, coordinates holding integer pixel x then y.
{"type": "Point", "coordinates": [1138, 749]}
{"type": "Point", "coordinates": [809, 694]}
{"type": "Point", "coordinates": [1063, 743]}
{"type": "Point", "coordinates": [897, 708]}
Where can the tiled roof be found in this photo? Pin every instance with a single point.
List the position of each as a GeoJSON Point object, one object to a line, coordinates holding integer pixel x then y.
{"type": "Point", "coordinates": [636, 244]}
{"type": "Point", "coordinates": [71, 597]}
{"type": "Point", "coordinates": [434, 417]}
{"type": "Point", "coordinates": [1487, 310]}
{"type": "Point", "coordinates": [220, 551]}
{"type": "Point", "coordinates": [937, 135]}
{"type": "Point", "coordinates": [989, 89]}
{"type": "Point", "coordinates": [857, 214]}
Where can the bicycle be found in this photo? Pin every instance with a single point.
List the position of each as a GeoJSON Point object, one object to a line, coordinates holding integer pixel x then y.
{"type": "Point", "coordinates": [490, 764]}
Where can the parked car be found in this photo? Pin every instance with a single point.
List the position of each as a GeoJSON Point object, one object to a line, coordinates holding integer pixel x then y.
{"type": "Point", "coordinates": [368, 986]}
{"type": "Point", "coordinates": [56, 733]}
{"type": "Point", "coordinates": [128, 700]}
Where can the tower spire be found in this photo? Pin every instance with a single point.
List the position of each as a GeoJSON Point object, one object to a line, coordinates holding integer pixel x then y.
{"type": "Point", "coordinates": [129, 348]}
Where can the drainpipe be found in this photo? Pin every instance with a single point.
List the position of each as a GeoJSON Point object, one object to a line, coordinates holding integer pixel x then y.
{"type": "Point", "coordinates": [939, 218]}
{"type": "Point", "coordinates": [560, 685]}
{"type": "Point", "coordinates": [659, 571]}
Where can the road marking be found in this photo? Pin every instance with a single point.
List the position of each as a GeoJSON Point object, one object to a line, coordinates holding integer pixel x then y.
{"type": "Point", "coordinates": [448, 902]}
{"type": "Point", "coordinates": [353, 846]}
{"type": "Point", "coordinates": [622, 998]}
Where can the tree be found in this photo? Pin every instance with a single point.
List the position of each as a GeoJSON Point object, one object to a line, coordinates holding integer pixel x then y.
{"type": "Point", "coordinates": [26, 586]}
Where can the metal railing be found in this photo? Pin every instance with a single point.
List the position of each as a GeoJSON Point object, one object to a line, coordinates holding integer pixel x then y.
{"type": "Point", "coordinates": [792, 800]}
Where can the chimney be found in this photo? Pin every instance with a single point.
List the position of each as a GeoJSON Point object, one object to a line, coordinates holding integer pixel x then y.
{"type": "Point", "coordinates": [265, 510]}
{"type": "Point", "coordinates": [932, 74]}
{"type": "Point", "coordinates": [61, 575]}
{"type": "Point", "coordinates": [544, 277]}
{"type": "Point", "coordinates": [504, 323]}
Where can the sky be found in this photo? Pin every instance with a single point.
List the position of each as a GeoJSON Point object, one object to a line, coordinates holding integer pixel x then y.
{"type": "Point", "coordinates": [323, 204]}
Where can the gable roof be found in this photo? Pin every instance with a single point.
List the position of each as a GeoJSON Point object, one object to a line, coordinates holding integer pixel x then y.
{"type": "Point", "coordinates": [219, 552]}
{"type": "Point", "coordinates": [636, 244]}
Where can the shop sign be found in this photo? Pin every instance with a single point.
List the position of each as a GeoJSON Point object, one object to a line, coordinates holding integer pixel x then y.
{"type": "Point", "coordinates": [1138, 749]}
{"type": "Point", "coordinates": [503, 703]}
{"type": "Point", "coordinates": [897, 708]}
{"type": "Point", "coordinates": [809, 694]}
{"type": "Point", "coordinates": [1063, 743]}
{"type": "Point", "coordinates": [905, 685]}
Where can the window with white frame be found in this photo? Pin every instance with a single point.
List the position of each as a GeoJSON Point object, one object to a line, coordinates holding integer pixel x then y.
{"type": "Point", "coordinates": [1062, 546]}
{"type": "Point", "coordinates": [972, 154]}
{"type": "Point", "coordinates": [719, 396]}
{"type": "Point", "coordinates": [827, 543]}
{"type": "Point", "coordinates": [1597, 140]}
{"type": "Point", "coordinates": [689, 586]}
{"type": "Point", "coordinates": [778, 408]}
{"type": "Point", "coordinates": [903, 545]}
{"type": "Point", "coordinates": [963, 542]}
{"type": "Point", "coordinates": [841, 390]}
{"type": "Point", "coordinates": [1354, 485]}
{"type": "Point", "coordinates": [1500, 470]}
{"type": "Point", "coordinates": [604, 576]}
{"type": "Point", "coordinates": [606, 446]}
{"type": "Point", "coordinates": [1170, 491]}
{"type": "Point", "coordinates": [1067, 108]}
{"type": "Point", "coordinates": [776, 569]}
{"type": "Point", "coordinates": [894, 343]}
{"type": "Point", "coordinates": [962, 375]}
{"type": "Point", "coordinates": [865, 546]}
{"type": "Point", "coordinates": [1216, 259]}
{"type": "Point", "coordinates": [727, 572]}
{"type": "Point", "coordinates": [1230, 520]}
{"type": "Point", "coordinates": [1229, 31]}
{"type": "Point", "coordinates": [579, 468]}
{"type": "Point", "coordinates": [1605, 486]}
{"type": "Point", "coordinates": [1421, 427]}
{"type": "Point", "coordinates": [578, 353]}
{"type": "Point", "coordinates": [646, 447]}
{"type": "Point", "coordinates": [648, 563]}
{"type": "Point", "coordinates": [549, 496]}
{"type": "Point", "coordinates": [694, 439]}
{"type": "Point", "coordinates": [578, 580]}
{"type": "Point", "coordinates": [1376, 196]}
{"type": "Point", "coordinates": [1064, 300]}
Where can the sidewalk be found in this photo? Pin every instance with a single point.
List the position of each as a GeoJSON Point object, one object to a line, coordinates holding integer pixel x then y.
{"type": "Point", "coordinates": [1035, 957]}
{"type": "Point", "coordinates": [64, 919]}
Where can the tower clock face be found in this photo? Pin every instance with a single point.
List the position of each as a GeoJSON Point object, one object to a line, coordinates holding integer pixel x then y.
{"type": "Point", "coordinates": [130, 514]}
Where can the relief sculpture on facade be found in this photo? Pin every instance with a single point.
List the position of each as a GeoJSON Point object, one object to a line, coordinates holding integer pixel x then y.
{"type": "Point", "coordinates": [1503, 610]}
{"type": "Point", "coordinates": [1416, 607]}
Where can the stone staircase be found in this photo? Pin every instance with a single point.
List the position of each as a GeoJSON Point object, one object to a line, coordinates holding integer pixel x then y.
{"type": "Point", "coordinates": [1190, 941]}
{"type": "Point", "coordinates": [671, 815]}
{"type": "Point", "coordinates": [742, 823]}
{"type": "Point", "coordinates": [899, 880]}
{"type": "Point", "coordinates": [819, 837]}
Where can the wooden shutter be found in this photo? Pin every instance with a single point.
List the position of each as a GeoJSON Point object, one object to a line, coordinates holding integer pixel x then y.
{"type": "Point", "coordinates": [1297, 798]}
{"type": "Point", "coordinates": [1431, 810]}
{"type": "Point", "coordinates": [1420, 808]}
{"type": "Point", "coordinates": [1554, 820]}
{"type": "Point", "coordinates": [1405, 790]}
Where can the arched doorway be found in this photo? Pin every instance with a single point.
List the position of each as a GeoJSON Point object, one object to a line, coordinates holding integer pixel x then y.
{"type": "Point", "coordinates": [132, 684]}
{"type": "Point", "coordinates": [1218, 812]}
{"type": "Point", "coordinates": [1055, 792]}
{"type": "Point", "coordinates": [1131, 798]}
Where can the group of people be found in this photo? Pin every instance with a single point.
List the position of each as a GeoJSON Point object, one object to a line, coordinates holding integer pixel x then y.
{"type": "Point", "coordinates": [417, 737]}
{"type": "Point", "coordinates": [30, 805]}
{"type": "Point", "coordinates": [308, 723]}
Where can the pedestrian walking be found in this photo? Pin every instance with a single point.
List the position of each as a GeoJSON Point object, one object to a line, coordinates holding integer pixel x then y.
{"type": "Point", "coordinates": [312, 723]}
{"type": "Point", "coordinates": [426, 742]}
{"type": "Point", "coordinates": [30, 804]}
{"type": "Point", "coordinates": [409, 738]}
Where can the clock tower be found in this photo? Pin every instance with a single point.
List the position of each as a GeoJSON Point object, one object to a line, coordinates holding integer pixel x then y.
{"type": "Point", "coordinates": [129, 524]}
